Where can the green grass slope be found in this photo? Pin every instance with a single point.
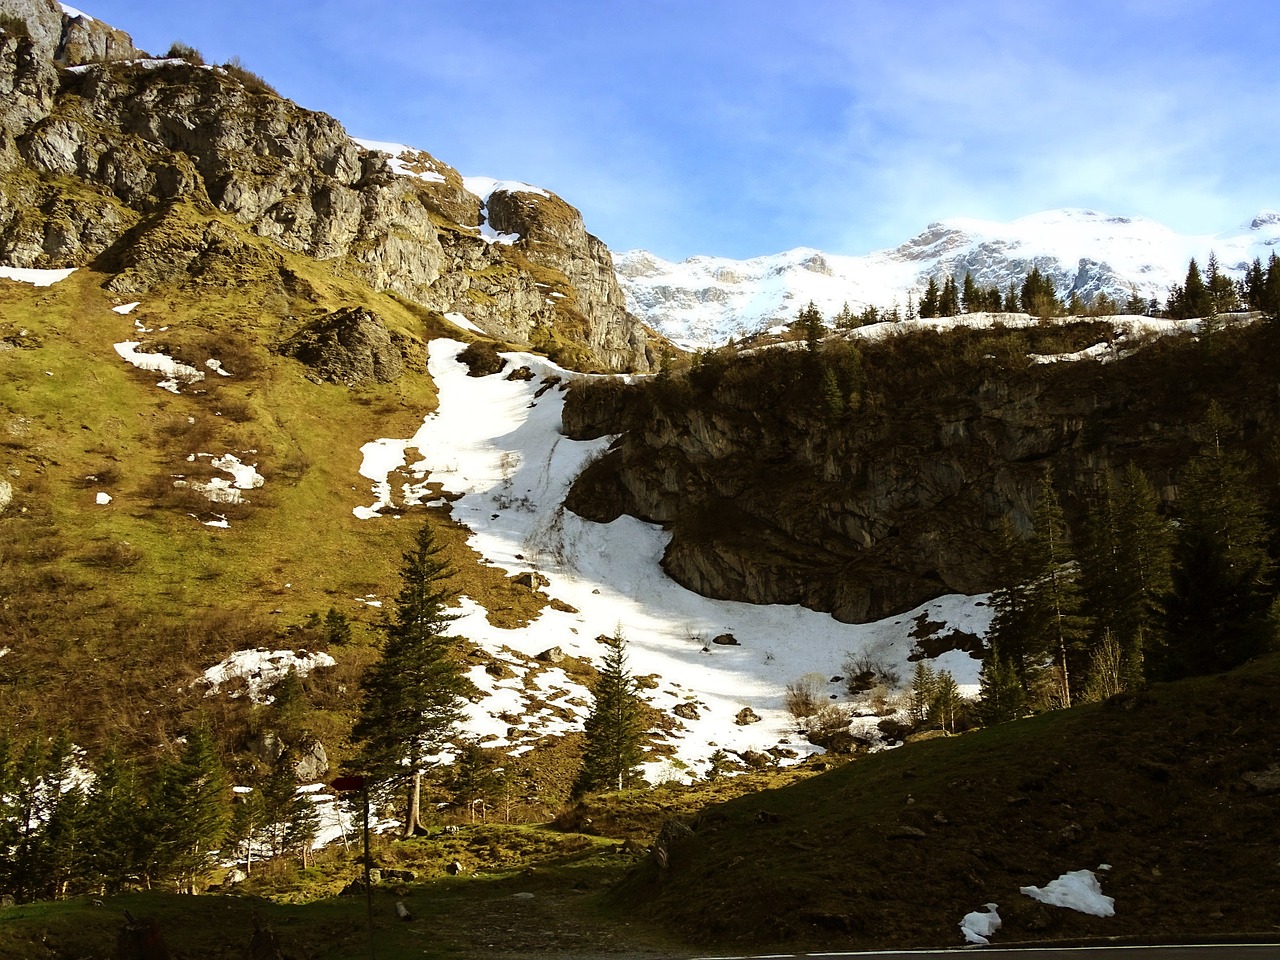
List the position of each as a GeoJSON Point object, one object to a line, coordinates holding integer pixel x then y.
{"type": "Point", "coordinates": [117, 607]}
{"type": "Point", "coordinates": [1178, 789]}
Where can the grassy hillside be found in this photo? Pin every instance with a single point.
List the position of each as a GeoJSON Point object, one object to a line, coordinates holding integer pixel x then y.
{"type": "Point", "coordinates": [118, 606]}
{"type": "Point", "coordinates": [1178, 789]}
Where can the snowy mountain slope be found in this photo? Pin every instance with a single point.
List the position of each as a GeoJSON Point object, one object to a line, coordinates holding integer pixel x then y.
{"type": "Point", "coordinates": [497, 443]}
{"type": "Point", "coordinates": [705, 301]}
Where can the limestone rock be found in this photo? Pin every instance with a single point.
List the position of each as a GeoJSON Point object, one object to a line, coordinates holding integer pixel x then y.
{"type": "Point", "coordinates": [111, 157]}
{"type": "Point", "coordinates": [746, 716]}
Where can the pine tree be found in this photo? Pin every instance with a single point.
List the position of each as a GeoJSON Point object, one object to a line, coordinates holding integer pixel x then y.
{"type": "Point", "coordinates": [412, 695]}
{"type": "Point", "coordinates": [614, 727]}
{"type": "Point", "coordinates": [1144, 540]}
{"type": "Point", "coordinates": [1216, 615]}
{"type": "Point", "coordinates": [1055, 594]}
{"type": "Point", "coordinates": [1217, 612]}
{"type": "Point", "coordinates": [189, 811]}
{"type": "Point", "coordinates": [476, 776]}
{"type": "Point", "coordinates": [1011, 301]}
{"type": "Point", "coordinates": [844, 320]}
{"type": "Point", "coordinates": [949, 300]}
{"type": "Point", "coordinates": [1220, 290]}
{"type": "Point", "coordinates": [1000, 694]}
{"type": "Point", "coordinates": [1194, 300]}
{"type": "Point", "coordinates": [337, 628]}
{"type": "Point", "coordinates": [970, 298]}
{"type": "Point", "coordinates": [944, 706]}
{"type": "Point", "coordinates": [923, 689]}
{"type": "Point", "coordinates": [929, 300]}
{"type": "Point", "coordinates": [111, 824]}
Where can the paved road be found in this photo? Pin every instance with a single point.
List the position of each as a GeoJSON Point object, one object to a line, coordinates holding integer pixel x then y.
{"type": "Point", "coordinates": [1216, 952]}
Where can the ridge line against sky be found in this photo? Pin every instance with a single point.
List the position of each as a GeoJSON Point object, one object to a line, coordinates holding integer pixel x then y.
{"type": "Point", "coordinates": [742, 128]}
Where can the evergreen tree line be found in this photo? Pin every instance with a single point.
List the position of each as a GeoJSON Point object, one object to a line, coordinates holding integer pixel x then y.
{"type": "Point", "coordinates": [1200, 295]}
{"type": "Point", "coordinates": [1136, 597]}
{"type": "Point", "coordinates": [1213, 292]}
{"type": "Point", "coordinates": [67, 828]}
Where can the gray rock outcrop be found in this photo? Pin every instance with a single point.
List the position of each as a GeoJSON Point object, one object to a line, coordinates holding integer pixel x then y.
{"type": "Point", "coordinates": [129, 168]}
{"type": "Point", "coordinates": [350, 346]}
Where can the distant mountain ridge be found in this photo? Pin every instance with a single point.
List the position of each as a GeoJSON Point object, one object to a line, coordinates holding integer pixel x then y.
{"type": "Point", "coordinates": [704, 301]}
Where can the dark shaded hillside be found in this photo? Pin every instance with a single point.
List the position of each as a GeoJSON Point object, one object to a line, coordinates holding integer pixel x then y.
{"type": "Point", "coordinates": [864, 479]}
{"type": "Point", "coordinates": [1178, 789]}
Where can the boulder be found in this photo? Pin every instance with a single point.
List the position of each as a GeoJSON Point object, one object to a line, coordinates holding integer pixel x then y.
{"type": "Point", "coordinates": [746, 716]}
{"type": "Point", "coordinates": [350, 346]}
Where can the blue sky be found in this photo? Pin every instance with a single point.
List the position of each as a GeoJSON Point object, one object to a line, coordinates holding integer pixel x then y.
{"type": "Point", "coordinates": [745, 127]}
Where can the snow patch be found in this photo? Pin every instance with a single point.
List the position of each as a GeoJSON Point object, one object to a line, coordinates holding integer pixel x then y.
{"type": "Point", "coordinates": [978, 927]}
{"type": "Point", "coordinates": [102, 498]}
{"type": "Point", "coordinates": [75, 14]}
{"type": "Point", "coordinates": [37, 278]}
{"type": "Point", "coordinates": [126, 308]}
{"type": "Point", "coordinates": [176, 374]}
{"type": "Point", "coordinates": [1078, 890]}
{"type": "Point", "coordinates": [261, 669]}
{"type": "Point", "coordinates": [459, 320]}
{"type": "Point", "coordinates": [219, 490]}
{"type": "Point", "coordinates": [403, 160]}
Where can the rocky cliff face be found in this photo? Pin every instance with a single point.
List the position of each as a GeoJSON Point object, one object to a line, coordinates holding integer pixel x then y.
{"type": "Point", "coordinates": [94, 157]}
{"type": "Point", "coordinates": [895, 496]}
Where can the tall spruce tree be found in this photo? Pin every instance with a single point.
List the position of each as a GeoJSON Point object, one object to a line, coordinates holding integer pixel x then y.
{"type": "Point", "coordinates": [188, 811]}
{"type": "Point", "coordinates": [1217, 612]}
{"type": "Point", "coordinates": [412, 695]}
{"type": "Point", "coordinates": [615, 727]}
{"type": "Point", "coordinates": [1055, 593]}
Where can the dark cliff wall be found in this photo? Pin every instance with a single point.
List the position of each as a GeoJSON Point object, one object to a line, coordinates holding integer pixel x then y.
{"type": "Point", "coordinates": [865, 480]}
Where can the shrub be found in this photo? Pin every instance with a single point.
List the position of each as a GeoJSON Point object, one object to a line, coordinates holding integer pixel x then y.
{"type": "Point", "coordinates": [182, 51]}
{"type": "Point", "coordinates": [804, 697]}
{"type": "Point", "coordinates": [252, 82]}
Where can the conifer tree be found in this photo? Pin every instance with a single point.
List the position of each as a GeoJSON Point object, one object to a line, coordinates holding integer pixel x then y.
{"type": "Point", "coordinates": [929, 300]}
{"type": "Point", "coordinates": [949, 300]}
{"type": "Point", "coordinates": [1217, 612]}
{"type": "Point", "coordinates": [1000, 695]}
{"type": "Point", "coordinates": [1055, 594]}
{"type": "Point", "coordinates": [1221, 292]}
{"type": "Point", "coordinates": [944, 706]}
{"type": "Point", "coordinates": [1194, 300]}
{"type": "Point", "coordinates": [189, 811]}
{"type": "Point", "coordinates": [923, 690]}
{"type": "Point", "coordinates": [970, 298]}
{"type": "Point", "coordinates": [412, 695]}
{"type": "Point", "coordinates": [615, 727]}
{"type": "Point", "coordinates": [1011, 301]}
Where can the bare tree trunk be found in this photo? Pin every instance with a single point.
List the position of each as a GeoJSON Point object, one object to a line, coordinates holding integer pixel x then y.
{"type": "Point", "coordinates": [413, 817]}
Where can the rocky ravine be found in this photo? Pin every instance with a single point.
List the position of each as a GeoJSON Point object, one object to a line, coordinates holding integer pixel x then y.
{"type": "Point", "coordinates": [100, 162]}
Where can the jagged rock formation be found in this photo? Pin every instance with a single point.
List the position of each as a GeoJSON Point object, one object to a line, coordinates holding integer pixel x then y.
{"type": "Point", "coordinates": [771, 496]}
{"type": "Point", "coordinates": [129, 166]}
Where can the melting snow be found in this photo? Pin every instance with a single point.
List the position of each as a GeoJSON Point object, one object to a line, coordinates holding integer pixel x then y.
{"type": "Point", "coordinates": [219, 490]}
{"type": "Point", "coordinates": [1077, 890]}
{"type": "Point", "coordinates": [404, 158]}
{"type": "Point", "coordinates": [175, 373]}
{"type": "Point", "coordinates": [38, 278]}
{"type": "Point", "coordinates": [102, 498]}
{"type": "Point", "coordinates": [74, 14]}
{"type": "Point", "coordinates": [261, 669]}
{"type": "Point", "coordinates": [978, 927]}
{"type": "Point", "coordinates": [498, 447]}
{"type": "Point", "coordinates": [125, 308]}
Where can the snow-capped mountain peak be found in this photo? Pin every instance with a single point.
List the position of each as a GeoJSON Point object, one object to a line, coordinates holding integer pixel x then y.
{"type": "Point", "coordinates": [705, 301]}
